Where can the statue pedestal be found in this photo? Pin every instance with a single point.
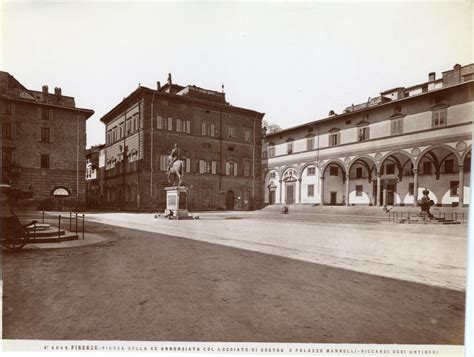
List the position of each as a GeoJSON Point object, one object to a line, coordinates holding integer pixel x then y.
{"type": "Point", "coordinates": [176, 203]}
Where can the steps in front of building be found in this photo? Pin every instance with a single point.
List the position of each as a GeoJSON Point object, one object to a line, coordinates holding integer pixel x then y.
{"type": "Point", "coordinates": [50, 235]}
{"type": "Point", "coordinates": [366, 214]}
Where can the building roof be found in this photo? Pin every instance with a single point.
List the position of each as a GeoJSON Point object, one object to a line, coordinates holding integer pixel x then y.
{"type": "Point", "coordinates": [187, 94]}
{"type": "Point", "coordinates": [381, 100]}
{"type": "Point", "coordinates": [11, 88]}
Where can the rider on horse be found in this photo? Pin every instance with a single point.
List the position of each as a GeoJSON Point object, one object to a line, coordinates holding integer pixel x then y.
{"type": "Point", "coordinates": [174, 156]}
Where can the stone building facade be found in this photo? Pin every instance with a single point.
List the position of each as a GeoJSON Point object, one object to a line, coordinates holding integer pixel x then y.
{"type": "Point", "coordinates": [221, 146]}
{"type": "Point", "coordinates": [382, 152]}
{"type": "Point", "coordinates": [95, 174]}
{"type": "Point", "coordinates": [43, 143]}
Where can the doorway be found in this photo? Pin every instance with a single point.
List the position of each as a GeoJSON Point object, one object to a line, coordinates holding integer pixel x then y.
{"type": "Point", "coordinates": [229, 200]}
{"type": "Point", "coordinates": [271, 197]}
{"type": "Point", "coordinates": [290, 193]}
{"type": "Point", "coordinates": [333, 201]}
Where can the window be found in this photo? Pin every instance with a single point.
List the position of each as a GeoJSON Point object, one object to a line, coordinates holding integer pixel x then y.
{"type": "Point", "coordinates": [231, 169]}
{"type": "Point", "coordinates": [214, 167]}
{"type": "Point", "coordinates": [449, 166]}
{"type": "Point", "coordinates": [45, 135]}
{"type": "Point", "coordinates": [161, 123]}
{"type": "Point", "coordinates": [397, 126]}
{"type": "Point", "coordinates": [453, 188]}
{"type": "Point", "coordinates": [207, 129]}
{"type": "Point", "coordinates": [311, 171]}
{"type": "Point", "coordinates": [44, 114]}
{"type": "Point", "coordinates": [359, 190]}
{"type": "Point", "coordinates": [230, 132]}
{"type": "Point", "coordinates": [248, 135]}
{"type": "Point", "coordinates": [411, 189]}
{"type": "Point", "coordinates": [359, 172]}
{"type": "Point", "coordinates": [273, 175]}
{"type": "Point", "coordinates": [390, 169]}
{"type": "Point", "coordinates": [170, 123]}
{"type": "Point", "coordinates": [264, 155]}
{"type": "Point", "coordinates": [363, 133]}
{"type": "Point", "coordinates": [44, 161]}
{"type": "Point", "coordinates": [333, 139]}
{"type": "Point", "coordinates": [271, 151]}
{"type": "Point", "coordinates": [310, 190]}
{"type": "Point", "coordinates": [289, 148]}
{"type": "Point", "coordinates": [333, 171]}
{"type": "Point", "coordinates": [8, 108]}
{"type": "Point", "coordinates": [7, 156]}
{"type": "Point", "coordinates": [246, 168]}
{"type": "Point", "coordinates": [439, 118]}
{"type": "Point", "coordinates": [183, 126]}
{"type": "Point", "coordinates": [310, 143]}
{"type": "Point", "coordinates": [163, 162]}
{"type": "Point", "coordinates": [427, 168]}
{"type": "Point", "coordinates": [204, 167]}
{"type": "Point", "coordinates": [6, 131]}
{"type": "Point", "coordinates": [230, 148]}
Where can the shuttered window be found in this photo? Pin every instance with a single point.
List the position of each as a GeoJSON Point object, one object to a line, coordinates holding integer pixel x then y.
{"type": "Point", "coordinates": [163, 162]}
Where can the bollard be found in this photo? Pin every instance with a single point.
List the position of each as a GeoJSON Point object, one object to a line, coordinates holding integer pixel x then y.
{"type": "Point", "coordinates": [34, 231]}
{"type": "Point", "coordinates": [408, 217]}
{"type": "Point", "coordinates": [70, 221]}
{"type": "Point", "coordinates": [43, 216]}
{"type": "Point", "coordinates": [83, 219]}
{"type": "Point", "coordinates": [59, 228]}
{"type": "Point", "coordinates": [456, 217]}
{"type": "Point", "coordinates": [76, 222]}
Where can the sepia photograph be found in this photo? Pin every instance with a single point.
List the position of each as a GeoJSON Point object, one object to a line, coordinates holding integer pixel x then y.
{"type": "Point", "coordinates": [236, 177]}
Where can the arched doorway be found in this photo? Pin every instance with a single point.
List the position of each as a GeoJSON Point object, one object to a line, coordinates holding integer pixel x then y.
{"type": "Point", "coordinates": [229, 200]}
{"type": "Point", "coordinates": [289, 182]}
{"type": "Point", "coordinates": [440, 172]}
{"type": "Point", "coordinates": [59, 193]}
{"type": "Point", "coordinates": [397, 183]}
{"type": "Point", "coordinates": [361, 179]}
{"type": "Point", "coordinates": [333, 184]}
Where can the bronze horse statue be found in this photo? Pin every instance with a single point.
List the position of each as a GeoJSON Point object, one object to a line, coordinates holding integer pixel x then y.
{"type": "Point", "coordinates": [176, 170]}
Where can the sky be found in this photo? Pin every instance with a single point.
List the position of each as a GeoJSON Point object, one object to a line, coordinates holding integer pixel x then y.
{"type": "Point", "coordinates": [292, 61]}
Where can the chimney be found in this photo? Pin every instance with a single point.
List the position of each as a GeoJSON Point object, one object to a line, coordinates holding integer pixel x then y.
{"type": "Point", "coordinates": [170, 82]}
{"type": "Point", "coordinates": [331, 113]}
{"type": "Point", "coordinates": [431, 76]}
{"type": "Point", "coordinates": [57, 93]}
{"type": "Point", "coordinates": [457, 73]}
{"type": "Point", "coordinates": [158, 85]}
{"type": "Point", "coordinates": [45, 89]}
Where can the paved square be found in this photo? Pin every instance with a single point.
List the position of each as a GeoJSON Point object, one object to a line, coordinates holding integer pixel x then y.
{"type": "Point", "coordinates": [144, 285]}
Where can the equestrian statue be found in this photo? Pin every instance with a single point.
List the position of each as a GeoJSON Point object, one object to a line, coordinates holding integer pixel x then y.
{"type": "Point", "coordinates": [175, 167]}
